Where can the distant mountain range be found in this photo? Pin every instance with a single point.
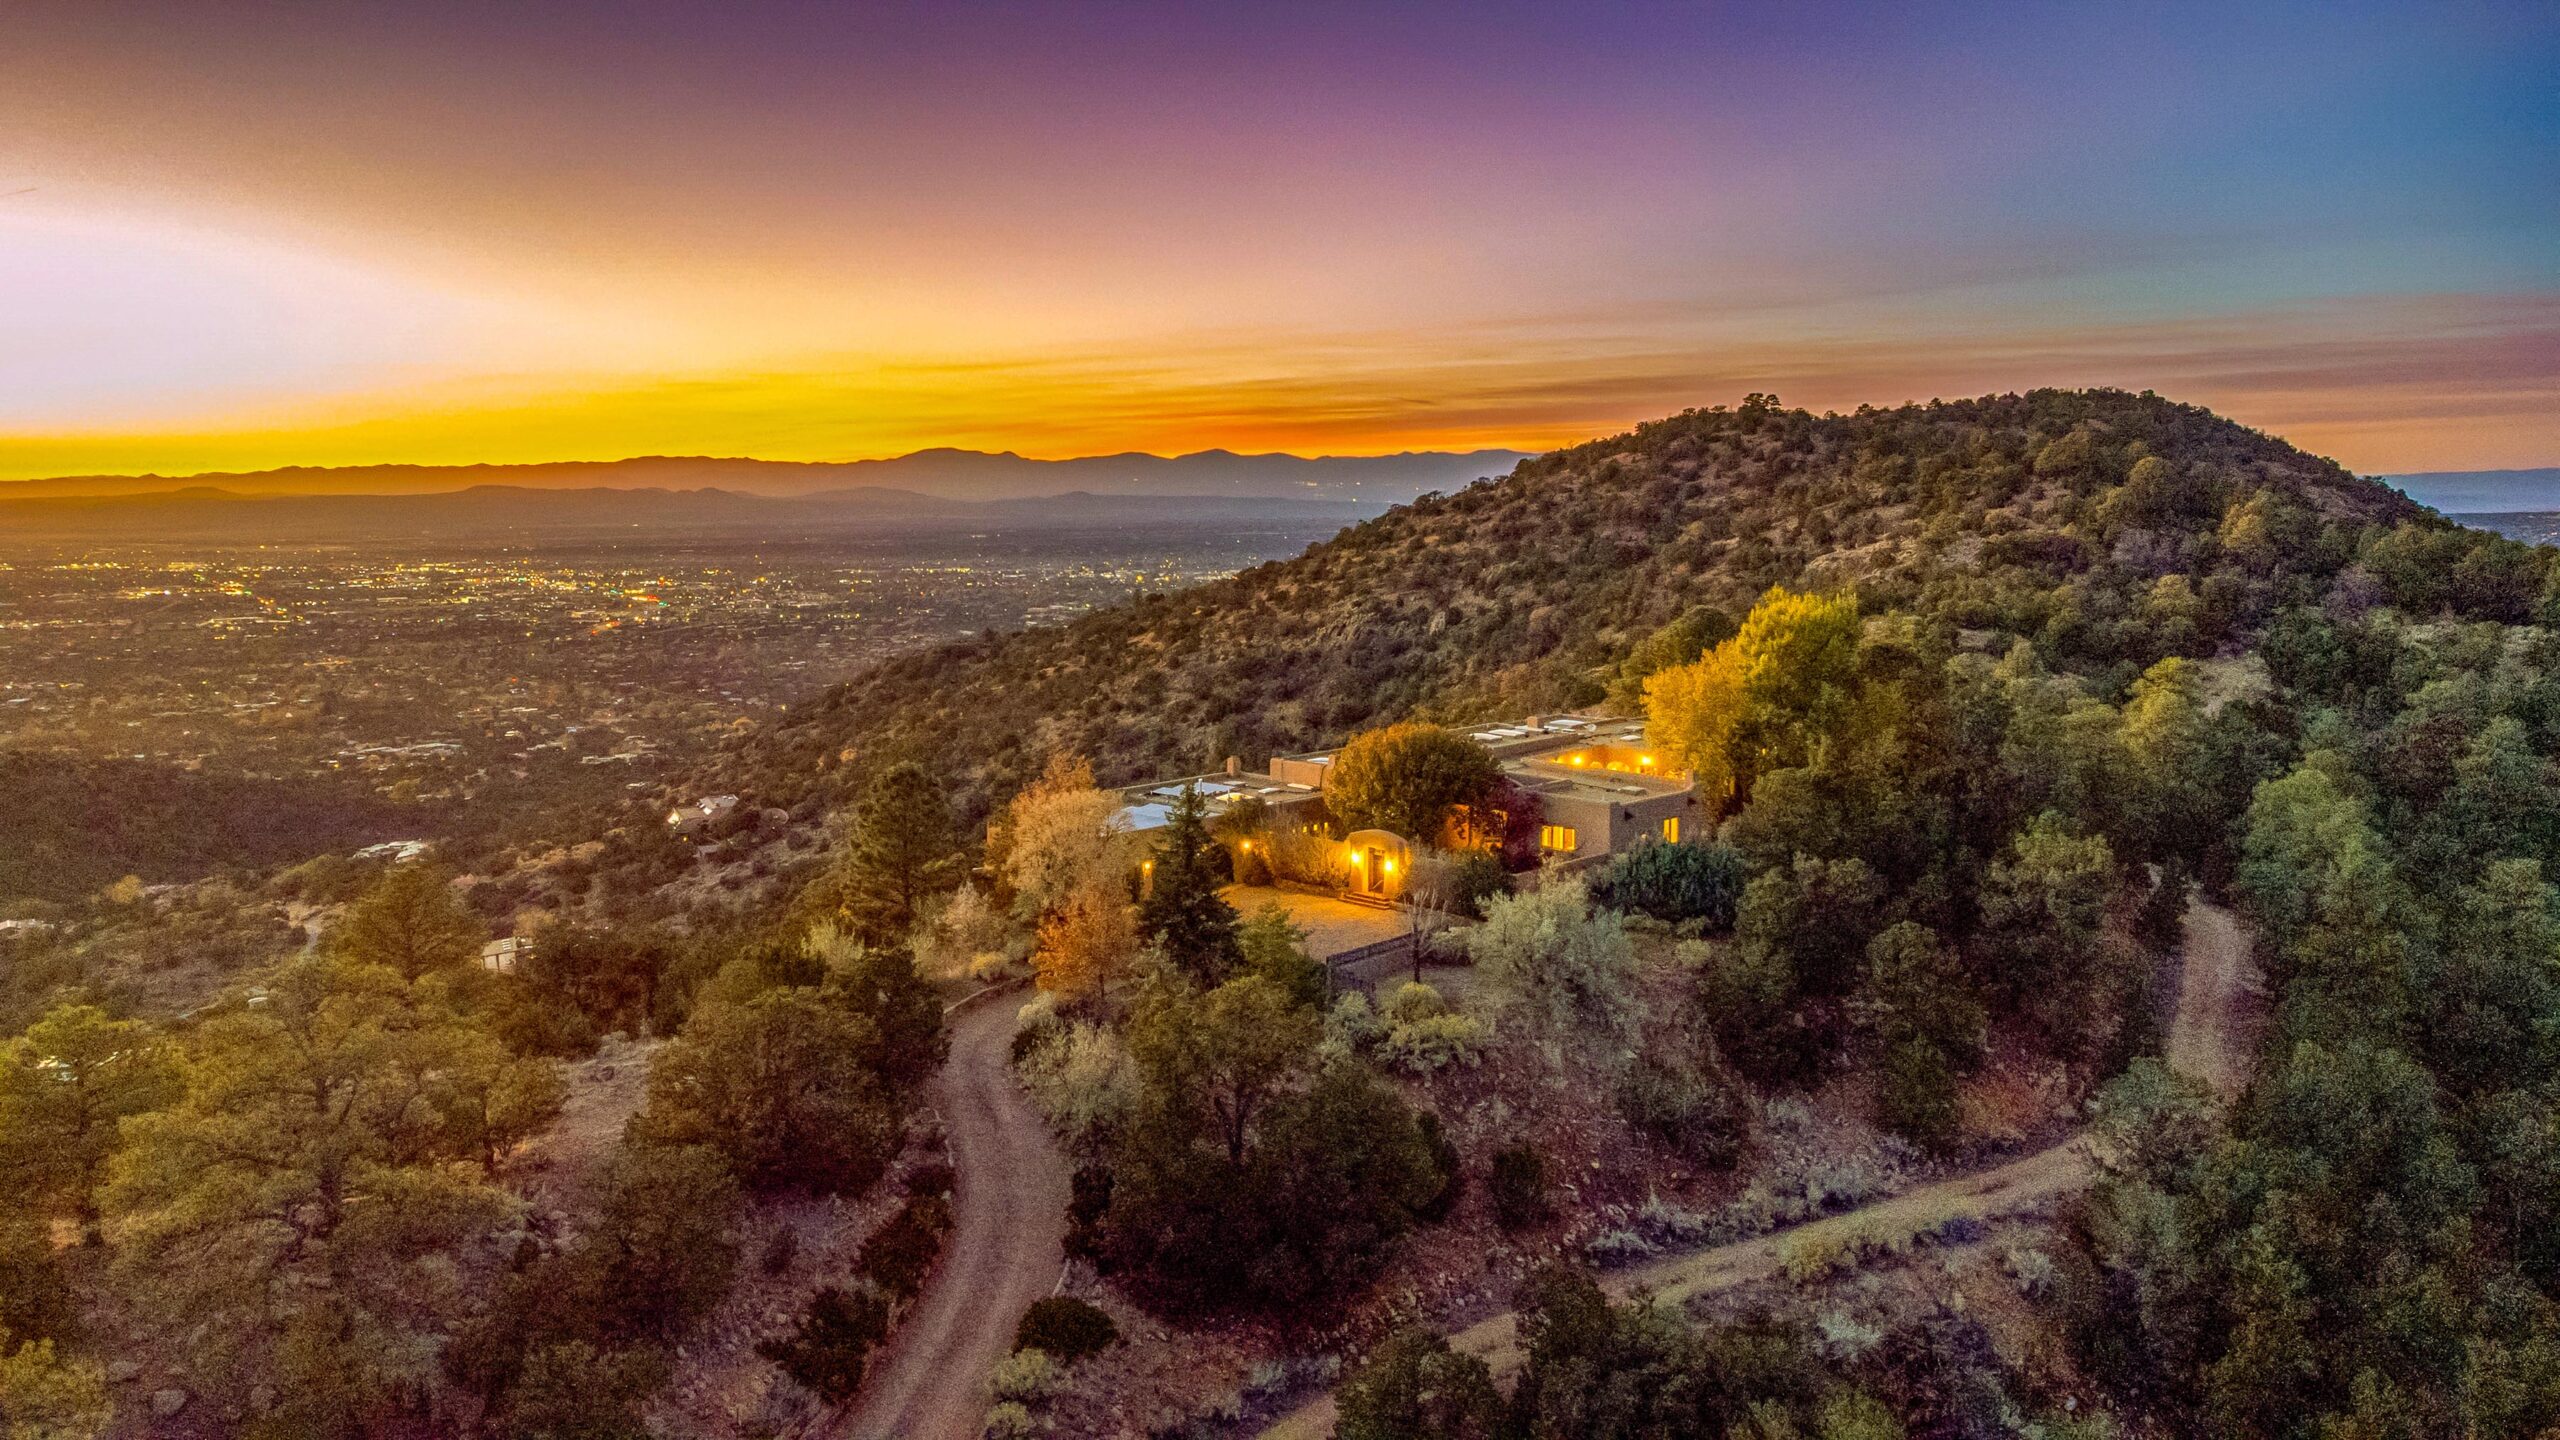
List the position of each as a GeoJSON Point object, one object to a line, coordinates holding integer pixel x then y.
{"type": "Point", "coordinates": [204, 512]}
{"type": "Point", "coordinates": [937, 474]}
{"type": "Point", "coordinates": [2482, 492]}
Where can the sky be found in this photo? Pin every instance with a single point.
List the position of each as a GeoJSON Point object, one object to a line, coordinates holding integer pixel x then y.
{"type": "Point", "coordinates": [237, 234]}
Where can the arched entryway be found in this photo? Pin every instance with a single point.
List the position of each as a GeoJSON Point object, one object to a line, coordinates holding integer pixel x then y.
{"type": "Point", "coordinates": [1376, 863]}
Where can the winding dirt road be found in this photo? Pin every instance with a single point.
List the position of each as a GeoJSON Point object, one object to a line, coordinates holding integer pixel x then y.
{"type": "Point", "coordinates": [1006, 1247]}
{"type": "Point", "coordinates": [2213, 1037]}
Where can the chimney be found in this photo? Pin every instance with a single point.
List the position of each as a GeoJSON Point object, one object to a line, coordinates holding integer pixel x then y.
{"type": "Point", "coordinates": [1537, 722]}
{"type": "Point", "coordinates": [1235, 766]}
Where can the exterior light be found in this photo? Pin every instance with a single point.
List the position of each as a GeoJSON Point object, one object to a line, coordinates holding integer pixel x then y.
{"type": "Point", "coordinates": [1391, 867]}
{"type": "Point", "coordinates": [1248, 845]}
{"type": "Point", "coordinates": [1148, 865]}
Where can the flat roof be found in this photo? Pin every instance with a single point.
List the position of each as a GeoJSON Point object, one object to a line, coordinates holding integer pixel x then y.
{"type": "Point", "coordinates": [1513, 742]}
{"type": "Point", "coordinates": [1550, 778]}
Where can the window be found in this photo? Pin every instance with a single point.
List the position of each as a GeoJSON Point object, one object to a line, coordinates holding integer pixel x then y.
{"type": "Point", "coordinates": [1559, 838]}
{"type": "Point", "coordinates": [1671, 829]}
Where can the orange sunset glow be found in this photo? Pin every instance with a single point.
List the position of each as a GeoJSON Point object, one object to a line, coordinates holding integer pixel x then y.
{"type": "Point", "coordinates": [229, 244]}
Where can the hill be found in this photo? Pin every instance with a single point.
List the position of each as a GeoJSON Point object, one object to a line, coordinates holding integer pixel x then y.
{"type": "Point", "coordinates": [943, 474]}
{"type": "Point", "coordinates": [2110, 528]}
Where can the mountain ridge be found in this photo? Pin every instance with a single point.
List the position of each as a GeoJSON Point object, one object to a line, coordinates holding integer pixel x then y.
{"type": "Point", "coordinates": [944, 472]}
{"type": "Point", "coordinates": [204, 512]}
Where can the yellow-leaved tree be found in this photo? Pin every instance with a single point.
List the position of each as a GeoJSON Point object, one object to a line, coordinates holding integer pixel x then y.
{"type": "Point", "coordinates": [1769, 698]}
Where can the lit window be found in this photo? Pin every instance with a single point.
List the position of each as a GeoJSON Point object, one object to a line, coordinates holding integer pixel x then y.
{"type": "Point", "coordinates": [1671, 829]}
{"type": "Point", "coordinates": [1558, 838]}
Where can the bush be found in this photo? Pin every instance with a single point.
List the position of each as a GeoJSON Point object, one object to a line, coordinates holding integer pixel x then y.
{"type": "Point", "coordinates": [2032, 1270]}
{"type": "Point", "coordinates": [1353, 1024]}
{"type": "Point", "coordinates": [1009, 1421]}
{"type": "Point", "coordinates": [1472, 878]}
{"type": "Point", "coordinates": [1703, 1116]}
{"type": "Point", "coordinates": [1067, 1328]}
{"type": "Point", "coordinates": [1413, 1001]}
{"type": "Point", "coordinates": [897, 1256]}
{"type": "Point", "coordinates": [1088, 1200]}
{"type": "Point", "coordinates": [1025, 1377]}
{"type": "Point", "coordinates": [1253, 868]}
{"type": "Point", "coordinates": [1673, 883]}
{"type": "Point", "coordinates": [1518, 1186]}
{"type": "Point", "coordinates": [1414, 1386]}
{"type": "Point", "coordinates": [1916, 1094]}
{"type": "Point", "coordinates": [1433, 1043]}
{"type": "Point", "coordinates": [1816, 1255]}
{"type": "Point", "coordinates": [828, 1351]}
{"type": "Point", "coordinates": [1083, 1081]}
{"type": "Point", "coordinates": [1613, 1248]}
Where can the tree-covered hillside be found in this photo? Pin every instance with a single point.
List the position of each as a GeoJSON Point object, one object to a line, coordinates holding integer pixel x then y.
{"type": "Point", "coordinates": [2112, 529]}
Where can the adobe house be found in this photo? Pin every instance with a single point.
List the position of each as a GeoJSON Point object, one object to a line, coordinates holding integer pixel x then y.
{"type": "Point", "coordinates": [1600, 789]}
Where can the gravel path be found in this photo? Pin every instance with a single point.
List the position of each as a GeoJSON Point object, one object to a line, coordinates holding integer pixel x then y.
{"type": "Point", "coordinates": [2213, 1037]}
{"type": "Point", "coordinates": [1006, 1247]}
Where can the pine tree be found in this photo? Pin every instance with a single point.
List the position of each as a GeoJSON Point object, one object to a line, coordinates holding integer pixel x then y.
{"type": "Point", "coordinates": [903, 850]}
{"type": "Point", "coordinates": [1183, 911]}
{"type": "Point", "coordinates": [409, 921]}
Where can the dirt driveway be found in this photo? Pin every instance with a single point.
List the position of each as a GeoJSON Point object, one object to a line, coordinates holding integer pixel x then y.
{"type": "Point", "coordinates": [1006, 1248]}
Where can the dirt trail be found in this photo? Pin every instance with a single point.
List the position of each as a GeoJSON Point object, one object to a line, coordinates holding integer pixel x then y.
{"type": "Point", "coordinates": [1005, 1250]}
{"type": "Point", "coordinates": [2212, 1037]}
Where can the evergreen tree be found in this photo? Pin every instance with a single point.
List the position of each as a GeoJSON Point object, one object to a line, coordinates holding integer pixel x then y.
{"type": "Point", "coordinates": [1183, 911]}
{"type": "Point", "coordinates": [298, 1216]}
{"type": "Point", "coordinates": [903, 850]}
{"type": "Point", "coordinates": [64, 1085]}
{"type": "Point", "coordinates": [409, 921]}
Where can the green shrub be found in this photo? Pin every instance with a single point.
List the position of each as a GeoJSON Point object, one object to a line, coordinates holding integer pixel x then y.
{"type": "Point", "coordinates": [828, 1351]}
{"type": "Point", "coordinates": [1518, 1186]}
{"type": "Point", "coordinates": [1009, 1421]}
{"type": "Point", "coordinates": [1673, 883]}
{"type": "Point", "coordinates": [1025, 1377]}
{"type": "Point", "coordinates": [1433, 1043]}
{"type": "Point", "coordinates": [1066, 1328]}
{"type": "Point", "coordinates": [1704, 1116]}
{"type": "Point", "coordinates": [1472, 878]}
{"type": "Point", "coordinates": [1816, 1255]}
{"type": "Point", "coordinates": [1414, 1386]}
{"type": "Point", "coordinates": [1916, 1093]}
{"type": "Point", "coordinates": [897, 1256]}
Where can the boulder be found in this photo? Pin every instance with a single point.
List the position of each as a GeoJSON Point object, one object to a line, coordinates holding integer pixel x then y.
{"type": "Point", "coordinates": [123, 1372]}
{"type": "Point", "coordinates": [165, 1403]}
